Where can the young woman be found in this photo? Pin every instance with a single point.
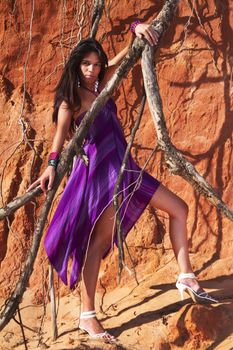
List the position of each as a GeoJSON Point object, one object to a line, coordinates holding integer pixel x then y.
{"type": "Point", "coordinates": [83, 224]}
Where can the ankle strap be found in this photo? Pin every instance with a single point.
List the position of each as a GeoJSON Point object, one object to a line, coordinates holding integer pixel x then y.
{"type": "Point", "coordinates": [186, 275]}
{"type": "Point", "coordinates": [87, 314]}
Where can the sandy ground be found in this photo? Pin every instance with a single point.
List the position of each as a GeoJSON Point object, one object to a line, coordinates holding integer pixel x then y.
{"type": "Point", "coordinates": [140, 316]}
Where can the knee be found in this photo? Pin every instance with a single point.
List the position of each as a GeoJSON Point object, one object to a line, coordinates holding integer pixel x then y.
{"type": "Point", "coordinates": [106, 244]}
{"type": "Point", "coordinates": [99, 246]}
{"type": "Point", "coordinates": [180, 210]}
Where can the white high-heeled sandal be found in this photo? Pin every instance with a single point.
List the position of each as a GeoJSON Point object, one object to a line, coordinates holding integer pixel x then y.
{"type": "Point", "coordinates": [199, 297]}
{"type": "Point", "coordinates": [103, 335]}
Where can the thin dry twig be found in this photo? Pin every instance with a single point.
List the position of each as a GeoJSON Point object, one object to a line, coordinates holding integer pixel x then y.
{"type": "Point", "coordinates": [45, 301]}
{"type": "Point", "coordinates": [116, 194]}
{"type": "Point", "coordinates": [22, 121]}
{"type": "Point", "coordinates": [81, 15]}
{"type": "Point", "coordinates": [63, 15]}
{"type": "Point", "coordinates": [22, 330]}
{"type": "Point", "coordinates": [53, 303]}
{"type": "Point", "coordinates": [193, 8]}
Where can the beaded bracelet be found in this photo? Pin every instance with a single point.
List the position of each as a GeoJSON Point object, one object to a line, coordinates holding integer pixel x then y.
{"type": "Point", "coordinates": [134, 25]}
{"type": "Point", "coordinates": [53, 162]}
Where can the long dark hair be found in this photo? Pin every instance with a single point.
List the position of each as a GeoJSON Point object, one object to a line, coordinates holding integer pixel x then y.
{"type": "Point", "coordinates": [66, 89]}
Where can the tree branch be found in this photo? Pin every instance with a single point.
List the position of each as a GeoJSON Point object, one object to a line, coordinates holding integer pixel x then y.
{"type": "Point", "coordinates": [174, 159]}
{"type": "Point", "coordinates": [161, 23]}
{"type": "Point", "coordinates": [96, 16]}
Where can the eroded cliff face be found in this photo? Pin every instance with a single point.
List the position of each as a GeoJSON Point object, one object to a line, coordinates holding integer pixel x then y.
{"type": "Point", "coordinates": [194, 68]}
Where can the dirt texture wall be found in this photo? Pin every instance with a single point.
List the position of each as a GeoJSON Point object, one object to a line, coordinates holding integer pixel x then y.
{"type": "Point", "coordinates": [194, 67]}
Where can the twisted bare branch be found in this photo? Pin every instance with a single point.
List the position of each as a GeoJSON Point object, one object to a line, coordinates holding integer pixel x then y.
{"type": "Point", "coordinates": [174, 159]}
{"type": "Point", "coordinates": [66, 158]}
{"type": "Point", "coordinates": [161, 23]}
{"type": "Point", "coordinates": [96, 16]}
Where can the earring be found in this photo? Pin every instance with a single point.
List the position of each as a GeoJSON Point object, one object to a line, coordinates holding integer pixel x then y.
{"type": "Point", "coordinates": [96, 85]}
{"type": "Point", "coordinates": [78, 82]}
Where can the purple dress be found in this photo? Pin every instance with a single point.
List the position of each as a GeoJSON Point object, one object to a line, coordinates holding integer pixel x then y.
{"type": "Point", "coordinates": [89, 191]}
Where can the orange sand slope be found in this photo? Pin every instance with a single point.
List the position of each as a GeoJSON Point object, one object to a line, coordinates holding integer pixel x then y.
{"type": "Point", "coordinates": [147, 316]}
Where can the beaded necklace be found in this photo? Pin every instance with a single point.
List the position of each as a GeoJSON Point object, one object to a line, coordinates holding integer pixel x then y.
{"type": "Point", "coordinates": [93, 92]}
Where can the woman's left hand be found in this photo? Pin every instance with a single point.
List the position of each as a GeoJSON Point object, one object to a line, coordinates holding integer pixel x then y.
{"type": "Point", "coordinates": [146, 31]}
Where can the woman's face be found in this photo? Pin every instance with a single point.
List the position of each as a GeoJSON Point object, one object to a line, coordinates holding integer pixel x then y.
{"type": "Point", "coordinates": [90, 68]}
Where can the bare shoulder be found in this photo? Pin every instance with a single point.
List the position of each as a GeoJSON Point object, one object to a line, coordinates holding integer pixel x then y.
{"type": "Point", "coordinates": [64, 105]}
{"type": "Point", "coordinates": [65, 114]}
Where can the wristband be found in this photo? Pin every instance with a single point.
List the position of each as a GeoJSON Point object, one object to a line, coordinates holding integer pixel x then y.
{"type": "Point", "coordinates": [53, 156]}
{"type": "Point", "coordinates": [134, 25]}
{"type": "Point", "coordinates": [53, 159]}
{"type": "Point", "coordinates": [53, 162]}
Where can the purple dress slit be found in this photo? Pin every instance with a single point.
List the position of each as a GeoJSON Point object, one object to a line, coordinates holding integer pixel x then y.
{"type": "Point", "coordinates": [89, 191]}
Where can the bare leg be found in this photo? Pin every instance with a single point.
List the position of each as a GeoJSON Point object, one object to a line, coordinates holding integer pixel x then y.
{"type": "Point", "coordinates": [178, 211]}
{"type": "Point", "coordinates": [99, 243]}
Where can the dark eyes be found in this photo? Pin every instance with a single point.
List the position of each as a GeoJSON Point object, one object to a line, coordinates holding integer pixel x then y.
{"type": "Point", "coordinates": [87, 63]}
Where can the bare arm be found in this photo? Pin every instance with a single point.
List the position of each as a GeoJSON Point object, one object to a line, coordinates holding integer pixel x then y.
{"type": "Point", "coordinates": [115, 61]}
{"type": "Point", "coordinates": [119, 57]}
{"type": "Point", "coordinates": [63, 125]}
{"type": "Point", "coordinates": [142, 30]}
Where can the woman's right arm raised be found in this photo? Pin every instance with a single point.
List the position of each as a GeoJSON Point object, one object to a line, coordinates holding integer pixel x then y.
{"type": "Point", "coordinates": [63, 124]}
